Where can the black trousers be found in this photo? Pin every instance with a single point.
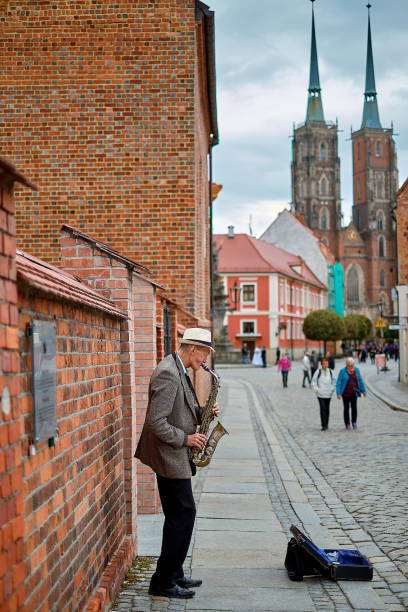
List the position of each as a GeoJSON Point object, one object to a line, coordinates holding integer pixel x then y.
{"type": "Point", "coordinates": [179, 515]}
{"type": "Point", "coordinates": [285, 377]}
{"type": "Point", "coordinates": [347, 402]}
{"type": "Point", "coordinates": [306, 376]}
{"type": "Point", "coordinates": [324, 403]}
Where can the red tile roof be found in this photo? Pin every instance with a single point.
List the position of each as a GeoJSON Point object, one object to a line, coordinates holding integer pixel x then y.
{"type": "Point", "coordinates": [47, 278]}
{"type": "Point", "coordinates": [246, 254]}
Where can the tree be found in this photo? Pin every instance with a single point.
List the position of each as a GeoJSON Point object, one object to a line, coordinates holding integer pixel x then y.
{"type": "Point", "coordinates": [323, 325]}
{"type": "Point", "coordinates": [357, 327]}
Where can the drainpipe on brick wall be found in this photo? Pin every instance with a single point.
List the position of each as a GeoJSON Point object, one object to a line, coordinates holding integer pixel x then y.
{"type": "Point", "coordinates": [210, 148]}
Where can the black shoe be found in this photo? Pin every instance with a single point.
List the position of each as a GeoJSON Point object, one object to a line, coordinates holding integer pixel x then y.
{"type": "Point", "coordinates": [188, 583]}
{"type": "Point", "coordinates": [175, 592]}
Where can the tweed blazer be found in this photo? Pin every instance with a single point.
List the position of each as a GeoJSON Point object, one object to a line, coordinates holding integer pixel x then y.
{"type": "Point", "coordinates": [171, 414]}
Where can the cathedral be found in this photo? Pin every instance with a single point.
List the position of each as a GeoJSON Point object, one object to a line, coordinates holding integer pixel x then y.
{"type": "Point", "coordinates": [366, 248]}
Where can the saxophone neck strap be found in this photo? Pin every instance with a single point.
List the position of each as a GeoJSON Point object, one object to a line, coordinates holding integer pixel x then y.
{"type": "Point", "coordinates": [190, 384]}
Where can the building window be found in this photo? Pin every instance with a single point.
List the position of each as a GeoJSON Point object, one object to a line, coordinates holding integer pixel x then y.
{"type": "Point", "coordinates": [379, 190]}
{"type": "Point", "coordinates": [323, 152]}
{"type": "Point", "coordinates": [323, 220]}
{"type": "Point", "coordinates": [380, 223]}
{"type": "Point", "coordinates": [382, 278]}
{"type": "Point", "coordinates": [381, 247]}
{"type": "Point", "coordinates": [353, 293]}
{"type": "Point", "coordinates": [248, 294]}
{"type": "Point", "coordinates": [248, 327]}
{"type": "Point", "coordinates": [378, 152]}
{"type": "Point", "coordinates": [323, 187]}
{"type": "Point", "coordinates": [358, 188]}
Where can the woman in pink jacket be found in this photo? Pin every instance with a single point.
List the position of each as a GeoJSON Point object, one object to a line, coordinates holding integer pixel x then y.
{"type": "Point", "coordinates": [284, 366]}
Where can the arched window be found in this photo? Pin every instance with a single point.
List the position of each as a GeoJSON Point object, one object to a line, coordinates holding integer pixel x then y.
{"type": "Point", "coordinates": [378, 152]}
{"type": "Point", "coordinates": [324, 219]}
{"type": "Point", "coordinates": [381, 247]}
{"type": "Point", "coordinates": [323, 152]}
{"type": "Point", "coordinates": [380, 223]}
{"type": "Point", "coordinates": [379, 190]}
{"type": "Point", "coordinates": [323, 187]}
{"type": "Point", "coordinates": [353, 290]}
{"type": "Point", "coordinates": [382, 278]}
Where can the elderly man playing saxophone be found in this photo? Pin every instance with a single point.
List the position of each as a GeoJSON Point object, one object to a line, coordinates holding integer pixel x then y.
{"type": "Point", "coordinates": [170, 430]}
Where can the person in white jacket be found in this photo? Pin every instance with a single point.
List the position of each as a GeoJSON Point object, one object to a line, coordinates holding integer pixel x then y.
{"type": "Point", "coordinates": [324, 385]}
{"type": "Point", "coordinates": [306, 369]}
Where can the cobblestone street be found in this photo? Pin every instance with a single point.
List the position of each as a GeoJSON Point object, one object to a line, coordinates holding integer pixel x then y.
{"type": "Point", "coordinates": [354, 487]}
{"type": "Point", "coordinates": [365, 468]}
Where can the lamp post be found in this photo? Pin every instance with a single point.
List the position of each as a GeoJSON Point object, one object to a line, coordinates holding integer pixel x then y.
{"type": "Point", "coordinates": [234, 296]}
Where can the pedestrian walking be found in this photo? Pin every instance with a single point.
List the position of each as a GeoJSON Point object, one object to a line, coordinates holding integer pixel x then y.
{"type": "Point", "coordinates": [257, 358]}
{"type": "Point", "coordinates": [314, 363]}
{"type": "Point", "coordinates": [306, 369]}
{"type": "Point", "coordinates": [170, 430]}
{"type": "Point", "coordinates": [324, 385]}
{"type": "Point", "coordinates": [277, 355]}
{"type": "Point", "coordinates": [284, 366]}
{"type": "Point", "coordinates": [350, 387]}
{"type": "Point", "coordinates": [330, 357]}
{"type": "Point", "coordinates": [244, 352]}
{"type": "Point", "coordinates": [263, 354]}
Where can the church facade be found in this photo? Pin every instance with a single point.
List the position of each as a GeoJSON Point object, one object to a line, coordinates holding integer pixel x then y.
{"type": "Point", "coordinates": [366, 247]}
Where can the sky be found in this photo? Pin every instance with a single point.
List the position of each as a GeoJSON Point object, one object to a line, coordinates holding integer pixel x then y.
{"type": "Point", "coordinates": [262, 64]}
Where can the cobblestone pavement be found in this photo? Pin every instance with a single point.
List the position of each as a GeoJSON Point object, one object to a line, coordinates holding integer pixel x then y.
{"type": "Point", "coordinates": [355, 482]}
{"type": "Point", "coordinates": [366, 469]}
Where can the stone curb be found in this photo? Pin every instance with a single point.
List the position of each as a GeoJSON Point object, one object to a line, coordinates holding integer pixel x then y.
{"type": "Point", "coordinates": [381, 397]}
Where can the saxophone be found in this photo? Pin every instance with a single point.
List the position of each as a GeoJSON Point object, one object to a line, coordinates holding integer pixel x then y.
{"type": "Point", "coordinates": [201, 458]}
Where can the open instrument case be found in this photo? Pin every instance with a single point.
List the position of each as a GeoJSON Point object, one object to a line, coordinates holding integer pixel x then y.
{"type": "Point", "coordinates": [303, 558]}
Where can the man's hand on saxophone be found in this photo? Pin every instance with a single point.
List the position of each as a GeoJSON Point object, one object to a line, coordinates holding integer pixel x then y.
{"type": "Point", "coordinates": [216, 410]}
{"type": "Point", "coordinates": [196, 439]}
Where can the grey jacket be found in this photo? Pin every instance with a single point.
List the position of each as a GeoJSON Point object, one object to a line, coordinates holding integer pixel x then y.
{"type": "Point", "coordinates": [170, 415]}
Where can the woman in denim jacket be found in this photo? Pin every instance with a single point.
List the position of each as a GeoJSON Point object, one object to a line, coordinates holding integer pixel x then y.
{"type": "Point", "coordinates": [350, 386]}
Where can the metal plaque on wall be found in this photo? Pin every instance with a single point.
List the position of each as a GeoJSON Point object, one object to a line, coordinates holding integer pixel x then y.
{"type": "Point", "coordinates": [44, 380]}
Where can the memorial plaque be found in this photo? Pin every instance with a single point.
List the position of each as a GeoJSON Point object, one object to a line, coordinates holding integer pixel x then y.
{"type": "Point", "coordinates": [44, 380]}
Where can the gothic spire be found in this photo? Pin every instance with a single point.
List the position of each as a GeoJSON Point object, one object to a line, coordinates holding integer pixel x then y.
{"type": "Point", "coordinates": [371, 117]}
{"type": "Point", "coordinates": [314, 102]}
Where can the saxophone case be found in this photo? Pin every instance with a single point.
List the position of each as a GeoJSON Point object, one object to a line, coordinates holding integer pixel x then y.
{"type": "Point", "coordinates": [304, 558]}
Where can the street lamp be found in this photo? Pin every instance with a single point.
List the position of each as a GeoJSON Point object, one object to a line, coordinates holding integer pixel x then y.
{"type": "Point", "coordinates": [234, 296]}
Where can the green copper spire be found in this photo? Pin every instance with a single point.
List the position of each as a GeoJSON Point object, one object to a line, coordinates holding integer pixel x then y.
{"type": "Point", "coordinates": [314, 102]}
{"type": "Point", "coordinates": [371, 117]}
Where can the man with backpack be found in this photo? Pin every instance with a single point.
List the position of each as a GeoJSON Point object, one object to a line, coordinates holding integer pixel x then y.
{"type": "Point", "coordinates": [324, 385]}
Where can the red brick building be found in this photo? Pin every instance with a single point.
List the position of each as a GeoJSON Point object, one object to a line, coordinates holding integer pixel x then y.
{"type": "Point", "coordinates": [401, 215]}
{"type": "Point", "coordinates": [366, 247]}
{"type": "Point", "coordinates": [275, 291]}
{"type": "Point", "coordinates": [111, 110]}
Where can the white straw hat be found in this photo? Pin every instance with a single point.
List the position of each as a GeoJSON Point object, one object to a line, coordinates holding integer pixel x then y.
{"type": "Point", "coordinates": [197, 336]}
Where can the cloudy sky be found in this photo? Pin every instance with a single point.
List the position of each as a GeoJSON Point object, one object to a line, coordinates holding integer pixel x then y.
{"type": "Point", "coordinates": [262, 56]}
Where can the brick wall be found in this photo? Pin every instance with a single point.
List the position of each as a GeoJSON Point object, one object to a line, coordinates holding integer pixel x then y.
{"type": "Point", "coordinates": [12, 591]}
{"type": "Point", "coordinates": [102, 112]}
{"type": "Point", "coordinates": [127, 284]}
{"type": "Point", "coordinates": [74, 504]}
{"type": "Point", "coordinates": [401, 213]}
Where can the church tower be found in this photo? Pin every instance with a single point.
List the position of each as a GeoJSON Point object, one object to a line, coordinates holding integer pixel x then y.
{"type": "Point", "coordinates": [315, 163]}
{"type": "Point", "coordinates": [375, 182]}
